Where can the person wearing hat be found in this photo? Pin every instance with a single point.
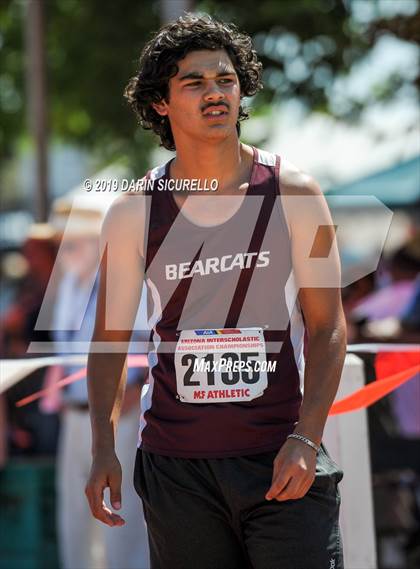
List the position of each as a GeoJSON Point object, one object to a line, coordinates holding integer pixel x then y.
{"type": "Point", "coordinates": [84, 542]}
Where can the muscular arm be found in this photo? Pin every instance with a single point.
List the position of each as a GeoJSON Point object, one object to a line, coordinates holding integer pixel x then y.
{"type": "Point", "coordinates": [313, 232]}
{"type": "Point", "coordinates": [316, 270]}
{"type": "Point", "coordinates": [120, 285]}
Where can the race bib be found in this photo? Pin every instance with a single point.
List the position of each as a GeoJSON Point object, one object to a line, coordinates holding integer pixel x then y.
{"type": "Point", "coordinates": [219, 366]}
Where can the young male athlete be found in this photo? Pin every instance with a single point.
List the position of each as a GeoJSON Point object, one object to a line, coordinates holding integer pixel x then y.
{"type": "Point", "coordinates": [230, 466]}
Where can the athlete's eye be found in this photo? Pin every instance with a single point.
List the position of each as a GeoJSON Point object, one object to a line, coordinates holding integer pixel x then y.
{"type": "Point", "coordinates": [193, 84]}
{"type": "Point", "coordinates": [226, 80]}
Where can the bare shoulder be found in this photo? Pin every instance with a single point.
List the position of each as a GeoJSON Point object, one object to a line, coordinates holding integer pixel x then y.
{"type": "Point", "coordinates": [295, 182]}
{"type": "Point", "coordinates": [302, 214]}
{"type": "Point", "coordinates": [124, 221]}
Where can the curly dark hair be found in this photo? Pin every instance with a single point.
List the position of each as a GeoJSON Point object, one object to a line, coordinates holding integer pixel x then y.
{"type": "Point", "coordinates": [158, 63]}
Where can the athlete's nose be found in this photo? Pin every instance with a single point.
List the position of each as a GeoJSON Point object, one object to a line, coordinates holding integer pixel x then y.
{"type": "Point", "coordinates": [213, 92]}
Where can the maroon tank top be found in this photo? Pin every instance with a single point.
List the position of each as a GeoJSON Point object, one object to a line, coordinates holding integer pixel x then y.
{"type": "Point", "coordinates": [215, 280]}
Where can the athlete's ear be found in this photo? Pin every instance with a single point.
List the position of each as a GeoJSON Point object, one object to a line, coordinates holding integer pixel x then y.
{"type": "Point", "coordinates": [161, 108]}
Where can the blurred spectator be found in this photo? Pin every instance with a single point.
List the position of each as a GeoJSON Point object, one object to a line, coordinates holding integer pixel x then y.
{"type": "Point", "coordinates": [84, 541]}
{"type": "Point", "coordinates": [18, 322]}
{"type": "Point", "coordinates": [410, 317]}
{"type": "Point", "coordinates": [352, 295]}
{"type": "Point", "coordinates": [26, 431]}
{"type": "Point", "coordinates": [389, 314]}
{"type": "Point", "coordinates": [3, 431]}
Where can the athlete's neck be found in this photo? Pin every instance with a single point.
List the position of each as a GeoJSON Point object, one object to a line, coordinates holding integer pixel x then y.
{"type": "Point", "coordinates": [229, 162]}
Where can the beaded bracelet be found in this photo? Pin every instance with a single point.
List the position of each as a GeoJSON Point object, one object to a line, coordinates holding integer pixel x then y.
{"type": "Point", "coordinates": [305, 440]}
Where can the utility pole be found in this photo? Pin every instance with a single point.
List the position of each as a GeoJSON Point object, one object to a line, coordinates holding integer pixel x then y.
{"type": "Point", "coordinates": [36, 90]}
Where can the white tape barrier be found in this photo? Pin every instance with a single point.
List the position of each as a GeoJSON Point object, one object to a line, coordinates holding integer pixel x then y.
{"type": "Point", "coordinates": [13, 370]}
{"type": "Point", "coordinates": [377, 348]}
{"type": "Point", "coordinates": [346, 437]}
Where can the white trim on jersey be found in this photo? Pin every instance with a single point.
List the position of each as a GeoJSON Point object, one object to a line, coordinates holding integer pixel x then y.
{"type": "Point", "coordinates": [297, 327]}
{"type": "Point", "coordinates": [267, 158]}
{"type": "Point", "coordinates": [147, 389]}
{"type": "Point", "coordinates": [157, 171]}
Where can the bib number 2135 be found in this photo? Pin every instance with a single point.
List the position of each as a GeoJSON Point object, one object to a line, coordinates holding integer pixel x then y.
{"type": "Point", "coordinates": [220, 365]}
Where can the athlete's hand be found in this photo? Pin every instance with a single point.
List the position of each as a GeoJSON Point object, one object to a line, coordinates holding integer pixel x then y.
{"type": "Point", "coordinates": [105, 472]}
{"type": "Point", "coordinates": [294, 471]}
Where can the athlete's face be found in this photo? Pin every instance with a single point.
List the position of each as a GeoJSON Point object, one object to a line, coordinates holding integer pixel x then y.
{"type": "Point", "coordinates": [206, 81]}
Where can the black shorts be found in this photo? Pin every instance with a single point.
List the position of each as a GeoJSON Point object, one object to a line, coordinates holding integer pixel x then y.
{"type": "Point", "coordinates": [212, 514]}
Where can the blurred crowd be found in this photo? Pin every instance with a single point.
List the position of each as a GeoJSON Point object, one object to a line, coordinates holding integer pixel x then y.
{"type": "Point", "coordinates": [384, 306]}
{"type": "Point", "coordinates": [58, 424]}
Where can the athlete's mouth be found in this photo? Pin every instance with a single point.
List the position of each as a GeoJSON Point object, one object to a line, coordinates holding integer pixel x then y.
{"type": "Point", "coordinates": [216, 111]}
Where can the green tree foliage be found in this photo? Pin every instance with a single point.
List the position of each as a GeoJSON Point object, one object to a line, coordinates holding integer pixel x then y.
{"type": "Point", "coordinates": [305, 44]}
{"type": "Point", "coordinates": [92, 49]}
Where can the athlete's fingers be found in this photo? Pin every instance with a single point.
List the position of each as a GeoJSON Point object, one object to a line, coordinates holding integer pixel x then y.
{"type": "Point", "coordinates": [291, 491]}
{"type": "Point", "coordinates": [297, 488]}
{"type": "Point", "coordinates": [114, 480]}
{"type": "Point", "coordinates": [305, 487]}
{"type": "Point", "coordinates": [94, 493]}
{"type": "Point", "coordinates": [279, 481]}
{"type": "Point", "coordinates": [91, 491]}
{"type": "Point", "coordinates": [280, 477]}
{"type": "Point", "coordinates": [114, 518]}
